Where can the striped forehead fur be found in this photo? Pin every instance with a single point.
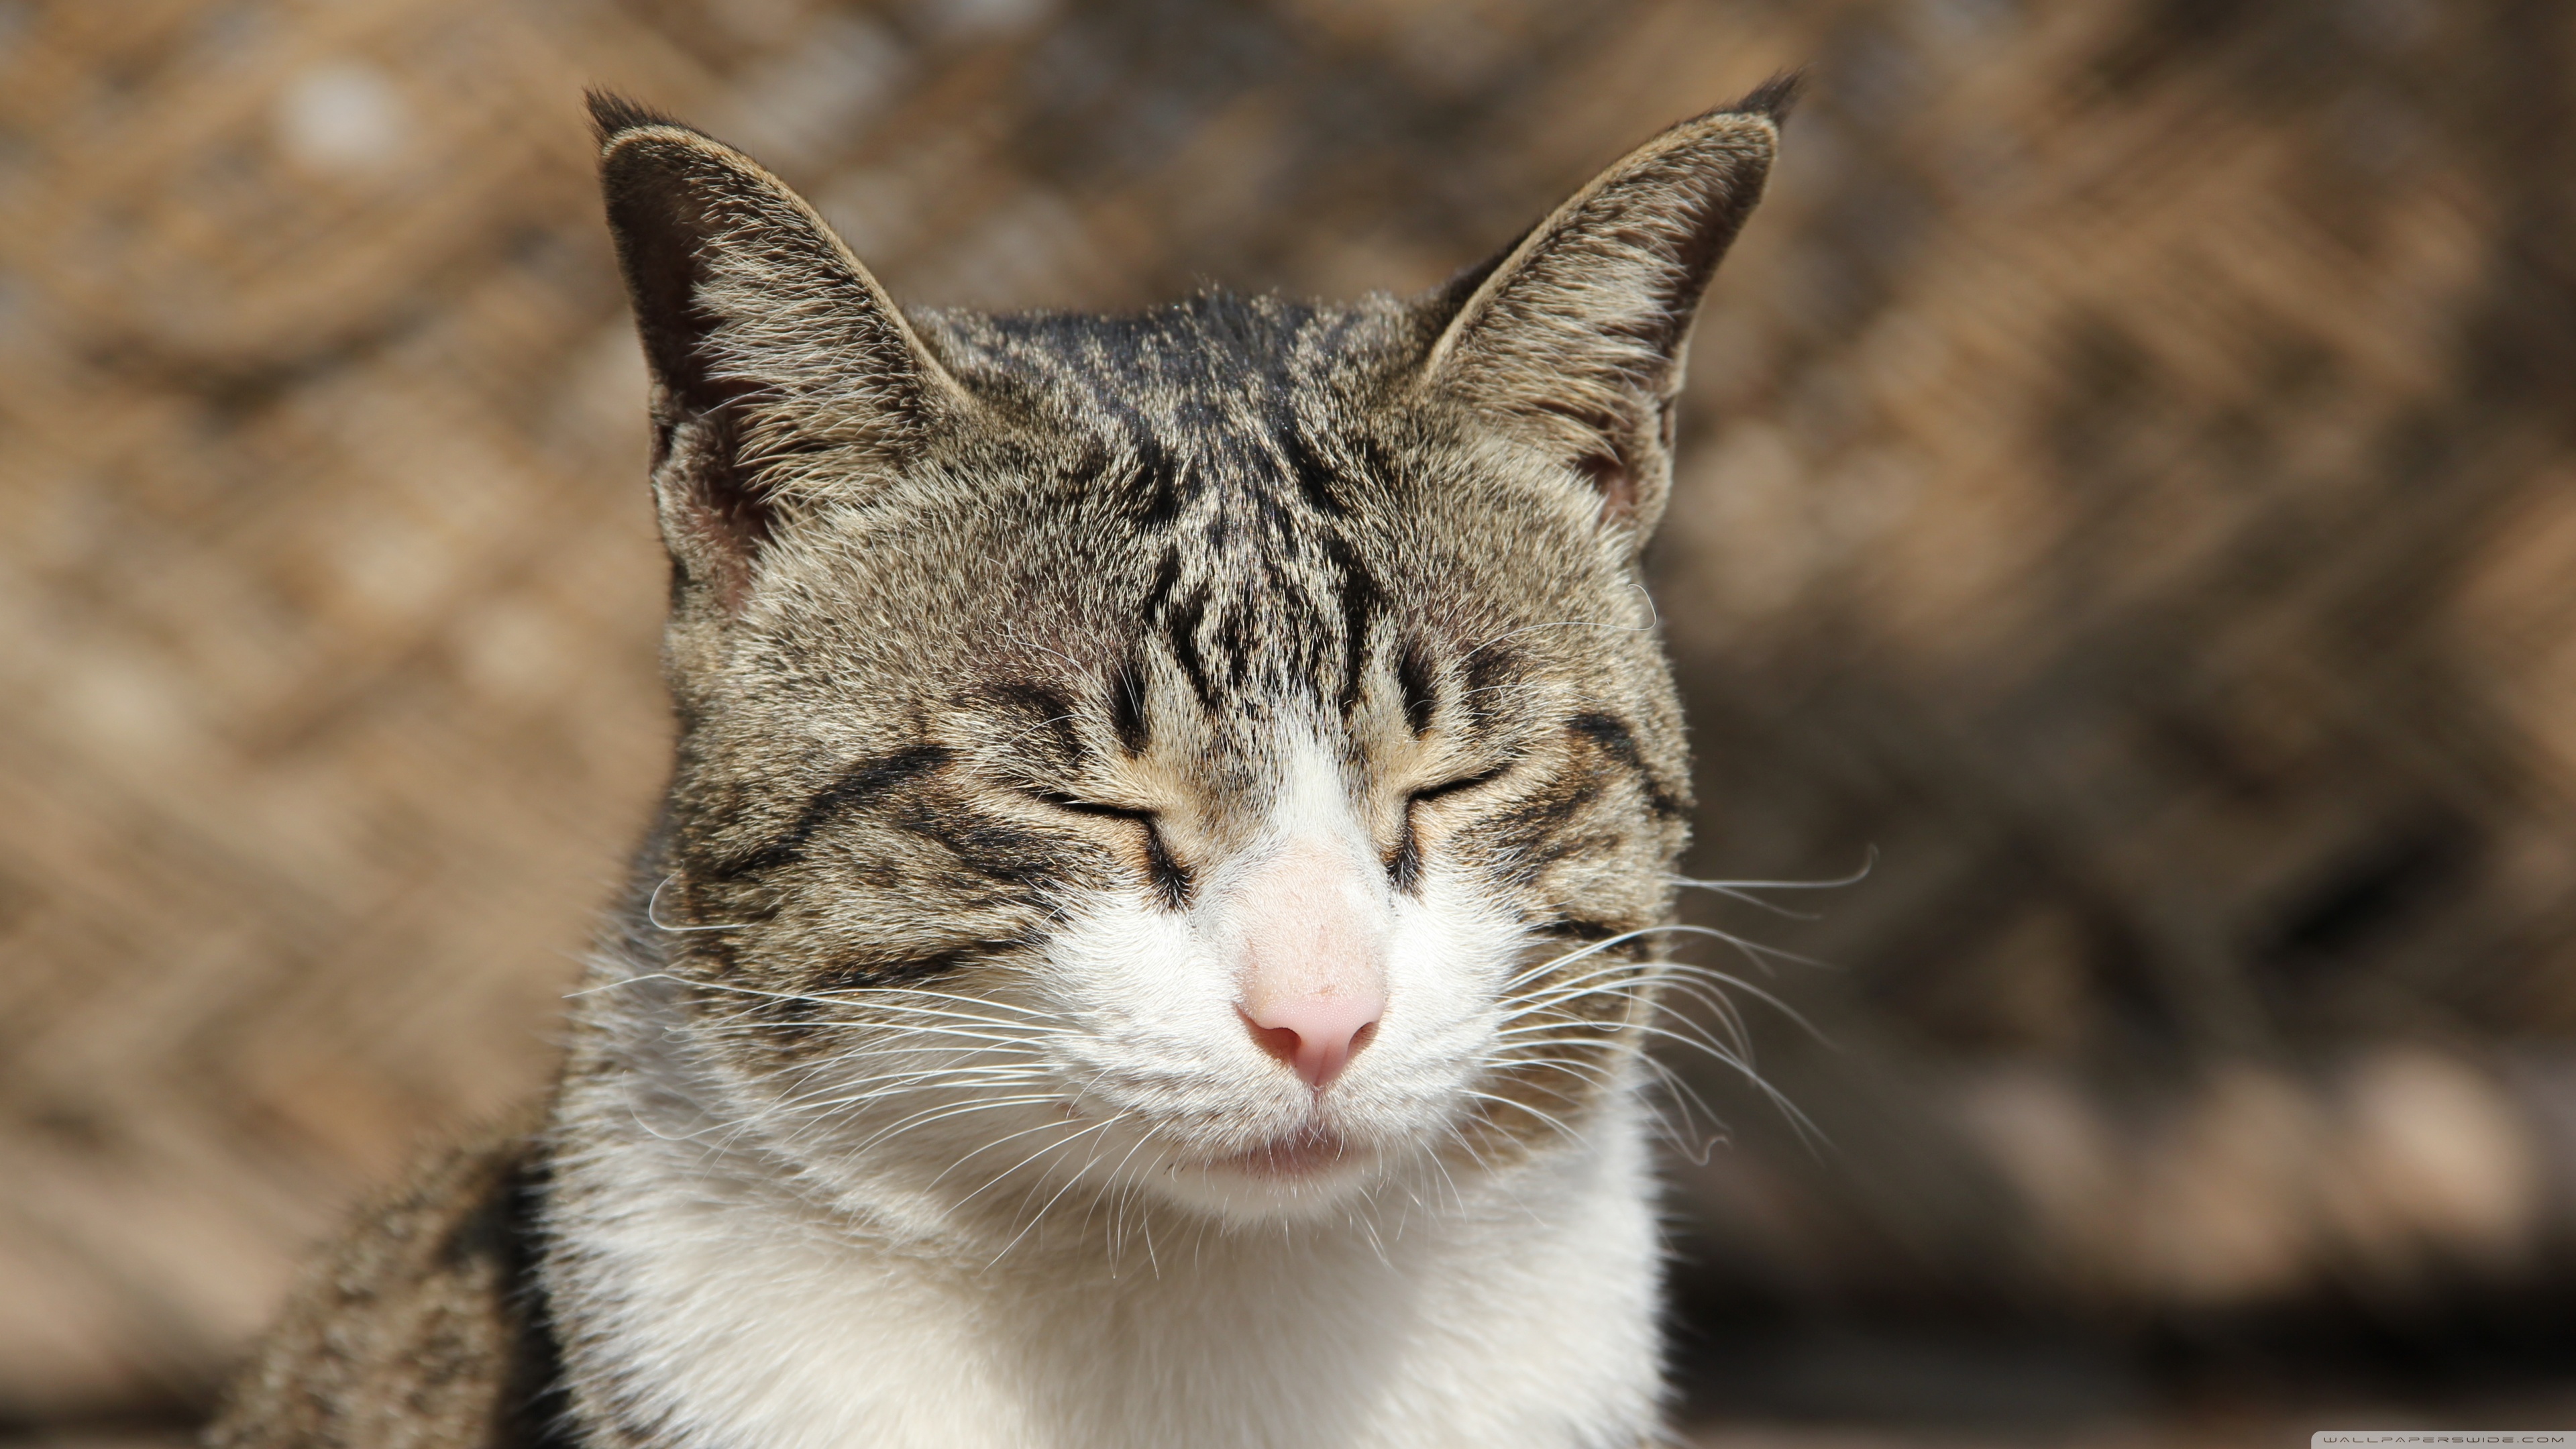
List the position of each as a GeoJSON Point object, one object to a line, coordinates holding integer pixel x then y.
{"type": "Point", "coordinates": [1222, 422]}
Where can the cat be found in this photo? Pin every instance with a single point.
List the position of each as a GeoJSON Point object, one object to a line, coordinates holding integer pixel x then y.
{"type": "Point", "coordinates": [1151, 934]}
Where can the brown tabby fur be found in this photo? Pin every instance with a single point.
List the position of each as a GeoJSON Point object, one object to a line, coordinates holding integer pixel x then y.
{"type": "Point", "coordinates": [419, 1329]}
{"type": "Point", "coordinates": [973, 617]}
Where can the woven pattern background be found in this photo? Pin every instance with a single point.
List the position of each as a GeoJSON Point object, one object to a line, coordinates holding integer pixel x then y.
{"type": "Point", "coordinates": [2129, 497]}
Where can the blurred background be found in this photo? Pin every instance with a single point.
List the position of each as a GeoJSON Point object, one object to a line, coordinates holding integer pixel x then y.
{"type": "Point", "coordinates": [2128, 500]}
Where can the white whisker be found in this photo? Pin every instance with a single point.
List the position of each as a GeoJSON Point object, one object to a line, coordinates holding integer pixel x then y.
{"type": "Point", "coordinates": [653, 913]}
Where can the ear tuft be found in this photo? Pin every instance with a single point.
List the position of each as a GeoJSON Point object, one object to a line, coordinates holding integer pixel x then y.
{"type": "Point", "coordinates": [612, 114]}
{"type": "Point", "coordinates": [1775, 98]}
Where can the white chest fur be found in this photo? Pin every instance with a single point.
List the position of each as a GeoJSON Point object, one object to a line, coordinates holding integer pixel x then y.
{"type": "Point", "coordinates": [725, 1311]}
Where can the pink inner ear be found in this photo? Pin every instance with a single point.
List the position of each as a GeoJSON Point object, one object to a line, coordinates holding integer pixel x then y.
{"type": "Point", "coordinates": [719, 555]}
{"type": "Point", "coordinates": [731, 528]}
{"type": "Point", "coordinates": [713, 520]}
{"type": "Point", "coordinates": [1615, 480]}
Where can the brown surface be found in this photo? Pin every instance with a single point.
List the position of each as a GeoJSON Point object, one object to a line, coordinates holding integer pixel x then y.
{"type": "Point", "coordinates": [2128, 482]}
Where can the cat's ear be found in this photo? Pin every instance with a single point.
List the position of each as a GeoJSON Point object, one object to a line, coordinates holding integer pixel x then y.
{"type": "Point", "coordinates": [1572, 342]}
{"type": "Point", "coordinates": [781, 370]}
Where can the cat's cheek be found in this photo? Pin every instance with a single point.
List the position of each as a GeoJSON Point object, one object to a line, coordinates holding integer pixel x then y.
{"type": "Point", "coordinates": [1147, 1036]}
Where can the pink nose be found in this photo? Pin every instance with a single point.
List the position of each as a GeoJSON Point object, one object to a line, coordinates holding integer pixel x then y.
{"type": "Point", "coordinates": [1317, 1036]}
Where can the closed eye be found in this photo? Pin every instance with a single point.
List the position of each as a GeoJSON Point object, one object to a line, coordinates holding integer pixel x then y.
{"type": "Point", "coordinates": [1404, 866]}
{"type": "Point", "coordinates": [1080, 806]}
{"type": "Point", "coordinates": [1446, 788]}
{"type": "Point", "coordinates": [1171, 881]}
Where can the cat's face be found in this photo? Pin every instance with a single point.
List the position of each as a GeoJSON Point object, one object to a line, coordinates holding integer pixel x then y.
{"type": "Point", "coordinates": [1222, 753]}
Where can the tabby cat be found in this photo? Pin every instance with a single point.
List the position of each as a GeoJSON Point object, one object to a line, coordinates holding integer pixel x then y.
{"type": "Point", "coordinates": [1143, 946]}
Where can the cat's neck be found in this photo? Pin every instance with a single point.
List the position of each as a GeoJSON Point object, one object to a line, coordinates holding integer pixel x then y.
{"type": "Point", "coordinates": [689, 1267]}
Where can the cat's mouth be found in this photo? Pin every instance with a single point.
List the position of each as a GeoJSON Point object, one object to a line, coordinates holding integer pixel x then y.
{"type": "Point", "coordinates": [1307, 1153]}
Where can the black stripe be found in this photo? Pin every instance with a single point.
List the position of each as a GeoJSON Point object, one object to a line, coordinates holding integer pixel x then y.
{"type": "Point", "coordinates": [1537, 826]}
{"type": "Point", "coordinates": [1360, 603]}
{"type": "Point", "coordinates": [1167, 576]}
{"type": "Point", "coordinates": [1179, 622]}
{"type": "Point", "coordinates": [1234, 643]}
{"type": "Point", "coordinates": [1616, 740]}
{"type": "Point", "coordinates": [1413, 678]}
{"type": "Point", "coordinates": [535, 1406]}
{"type": "Point", "coordinates": [1487, 669]}
{"type": "Point", "coordinates": [1581, 928]}
{"type": "Point", "coordinates": [1127, 708]}
{"type": "Point", "coordinates": [1170, 879]}
{"type": "Point", "coordinates": [1156, 483]}
{"type": "Point", "coordinates": [1464, 782]}
{"type": "Point", "coordinates": [1047, 708]}
{"type": "Point", "coordinates": [1533, 859]}
{"type": "Point", "coordinates": [1612, 734]}
{"type": "Point", "coordinates": [1405, 866]}
{"type": "Point", "coordinates": [859, 784]}
{"type": "Point", "coordinates": [992, 848]}
{"type": "Point", "coordinates": [1181, 630]}
{"type": "Point", "coordinates": [856, 975]}
{"type": "Point", "coordinates": [1313, 476]}
{"type": "Point", "coordinates": [1545, 814]}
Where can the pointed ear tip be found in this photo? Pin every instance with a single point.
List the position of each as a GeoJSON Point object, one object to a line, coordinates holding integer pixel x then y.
{"type": "Point", "coordinates": [1774, 99]}
{"type": "Point", "coordinates": [613, 115]}
{"type": "Point", "coordinates": [1750, 126]}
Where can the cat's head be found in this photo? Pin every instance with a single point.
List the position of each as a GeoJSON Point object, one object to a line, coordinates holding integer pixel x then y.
{"type": "Point", "coordinates": [1224, 750]}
